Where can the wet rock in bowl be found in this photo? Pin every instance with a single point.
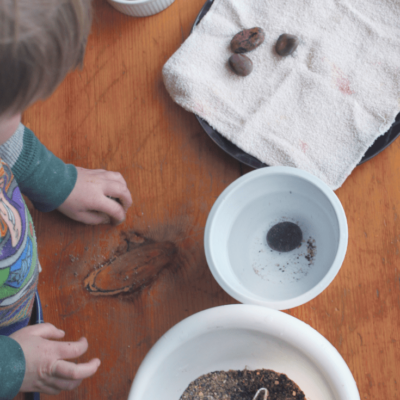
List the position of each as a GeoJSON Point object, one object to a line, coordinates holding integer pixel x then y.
{"type": "Point", "coordinates": [284, 236]}
{"type": "Point", "coordinates": [241, 64]}
{"type": "Point", "coordinates": [247, 40]}
{"type": "Point", "coordinates": [286, 44]}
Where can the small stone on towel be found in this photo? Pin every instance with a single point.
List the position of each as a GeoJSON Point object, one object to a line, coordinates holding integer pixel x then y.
{"type": "Point", "coordinates": [247, 40]}
{"type": "Point", "coordinates": [241, 64]}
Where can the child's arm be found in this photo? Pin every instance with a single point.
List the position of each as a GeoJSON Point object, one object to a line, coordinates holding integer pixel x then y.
{"type": "Point", "coordinates": [12, 367]}
{"type": "Point", "coordinates": [44, 367]}
{"type": "Point", "coordinates": [49, 183]}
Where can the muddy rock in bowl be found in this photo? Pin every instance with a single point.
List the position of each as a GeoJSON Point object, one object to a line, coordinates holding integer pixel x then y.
{"type": "Point", "coordinates": [241, 64]}
{"type": "Point", "coordinates": [247, 40]}
{"type": "Point", "coordinates": [286, 44]}
{"type": "Point", "coordinates": [284, 236]}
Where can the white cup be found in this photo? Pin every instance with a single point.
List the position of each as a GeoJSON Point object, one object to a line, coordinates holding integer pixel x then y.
{"type": "Point", "coordinates": [140, 8]}
{"type": "Point", "coordinates": [235, 237]}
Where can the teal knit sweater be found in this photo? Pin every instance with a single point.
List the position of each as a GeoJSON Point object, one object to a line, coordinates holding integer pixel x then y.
{"type": "Point", "coordinates": [42, 177]}
{"type": "Point", "coordinates": [47, 182]}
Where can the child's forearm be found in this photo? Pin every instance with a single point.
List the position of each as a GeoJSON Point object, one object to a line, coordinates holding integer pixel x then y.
{"type": "Point", "coordinates": [45, 179]}
{"type": "Point", "coordinates": [12, 367]}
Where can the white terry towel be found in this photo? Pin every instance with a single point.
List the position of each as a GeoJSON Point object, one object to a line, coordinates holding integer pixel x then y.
{"type": "Point", "coordinates": [318, 110]}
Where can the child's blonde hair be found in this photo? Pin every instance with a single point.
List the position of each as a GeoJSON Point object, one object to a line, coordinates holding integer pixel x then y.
{"type": "Point", "coordinates": [40, 42]}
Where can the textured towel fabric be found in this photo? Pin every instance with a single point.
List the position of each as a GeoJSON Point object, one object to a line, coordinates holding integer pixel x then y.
{"type": "Point", "coordinates": [319, 109]}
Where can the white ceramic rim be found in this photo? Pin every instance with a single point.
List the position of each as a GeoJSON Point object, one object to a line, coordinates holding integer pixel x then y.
{"type": "Point", "coordinates": [297, 333]}
{"type": "Point", "coordinates": [325, 281]}
{"type": "Point", "coordinates": [135, 2]}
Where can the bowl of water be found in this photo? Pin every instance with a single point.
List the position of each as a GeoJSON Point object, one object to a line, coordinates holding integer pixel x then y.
{"type": "Point", "coordinates": [243, 337]}
{"type": "Point", "coordinates": [276, 237]}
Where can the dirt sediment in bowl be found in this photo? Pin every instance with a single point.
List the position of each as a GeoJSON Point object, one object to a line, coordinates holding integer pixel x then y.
{"type": "Point", "coordinates": [243, 385]}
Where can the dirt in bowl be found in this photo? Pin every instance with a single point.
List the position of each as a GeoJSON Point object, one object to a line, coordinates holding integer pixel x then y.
{"type": "Point", "coordinates": [311, 250]}
{"type": "Point", "coordinates": [242, 385]}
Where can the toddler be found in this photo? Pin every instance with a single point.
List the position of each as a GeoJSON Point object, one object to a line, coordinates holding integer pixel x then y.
{"type": "Point", "coordinates": [40, 42]}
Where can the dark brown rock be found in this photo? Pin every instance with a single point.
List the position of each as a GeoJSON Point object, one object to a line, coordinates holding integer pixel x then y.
{"type": "Point", "coordinates": [286, 44]}
{"type": "Point", "coordinates": [247, 40]}
{"type": "Point", "coordinates": [241, 64]}
{"type": "Point", "coordinates": [284, 236]}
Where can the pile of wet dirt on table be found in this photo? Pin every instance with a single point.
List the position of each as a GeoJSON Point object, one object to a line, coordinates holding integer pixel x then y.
{"type": "Point", "coordinates": [242, 385]}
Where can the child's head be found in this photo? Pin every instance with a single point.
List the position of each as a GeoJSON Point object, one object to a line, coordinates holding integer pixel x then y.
{"type": "Point", "coordinates": [40, 42]}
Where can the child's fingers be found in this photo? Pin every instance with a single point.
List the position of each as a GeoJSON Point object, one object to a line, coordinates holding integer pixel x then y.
{"type": "Point", "coordinates": [56, 385]}
{"type": "Point", "coordinates": [46, 331]}
{"type": "Point", "coordinates": [114, 176]}
{"type": "Point", "coordinates": [112, 208]}
{"type": "Point", "coordinates": [48, 390]}
{"type": "Point", "coordinates": [71, 350]}
{"type": "Point", "coordinates": [93, 218]}
{"type": "Point", "coordinates": [121, 192]}
{"type": "Point", "coordinates": [71, 371]}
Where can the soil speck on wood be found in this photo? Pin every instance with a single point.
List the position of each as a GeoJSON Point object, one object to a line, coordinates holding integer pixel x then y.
{"type": "Point", "coordinates": [242, 385]}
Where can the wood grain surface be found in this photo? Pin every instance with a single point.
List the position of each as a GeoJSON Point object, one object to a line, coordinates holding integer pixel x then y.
{"type": "Point", "coordinates": [116, 114]}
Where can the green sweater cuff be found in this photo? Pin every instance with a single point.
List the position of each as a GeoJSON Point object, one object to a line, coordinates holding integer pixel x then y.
{"type": "Point", "coordinates": [12, 368]}
{"type": "Point", "coordinates": [42, 177]}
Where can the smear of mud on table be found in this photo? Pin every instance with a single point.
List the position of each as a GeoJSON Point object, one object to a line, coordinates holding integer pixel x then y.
{"type": "Point", "coordinates": [135, 264]}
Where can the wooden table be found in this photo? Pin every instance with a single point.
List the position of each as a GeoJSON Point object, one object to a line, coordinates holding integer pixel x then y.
{"type": "Point", "coordinates": [116, 114]}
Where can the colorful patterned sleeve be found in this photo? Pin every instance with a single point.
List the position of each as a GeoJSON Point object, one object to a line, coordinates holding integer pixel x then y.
{"type": "Point", "coordinates": [45, 179]}
{"type": "Point", "coordinates": [19, 270]}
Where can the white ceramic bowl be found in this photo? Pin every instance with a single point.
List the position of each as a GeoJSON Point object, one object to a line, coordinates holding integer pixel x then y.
{"type": "Point", "coordinates": [238, 337]}
{"type": "Point", "coordinates": [140, 8]}
{"type": "Point", "coordinates": [235, 237]}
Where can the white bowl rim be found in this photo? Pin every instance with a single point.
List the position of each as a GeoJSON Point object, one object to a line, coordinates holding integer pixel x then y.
{"type": "Point", "coordinates": [337, 262]}
{"type": "Point", "coordinates": [135, 2]}
{"type": "Point", "coordinates": [287, 328]}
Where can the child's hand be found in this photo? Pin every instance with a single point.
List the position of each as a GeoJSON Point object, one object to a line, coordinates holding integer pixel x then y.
{"type": "Point", "coordinates": [99, 197]}
{"type": "Point", "coordinates": [46, 368]}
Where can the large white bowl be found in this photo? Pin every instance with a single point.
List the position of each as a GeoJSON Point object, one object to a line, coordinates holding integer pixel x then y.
{"type": "Point", "coordinates": [235, 237]}
{"type": "Point", "coordinates": [140, 8]}
{"type": "Point", "coordinates": [238, 337]}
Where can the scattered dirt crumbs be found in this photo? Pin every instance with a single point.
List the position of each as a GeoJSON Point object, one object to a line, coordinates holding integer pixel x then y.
{"type": "Point", "coordinates": [242, 385]}
{"type": "Point", "coordinates": [311, 250]}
